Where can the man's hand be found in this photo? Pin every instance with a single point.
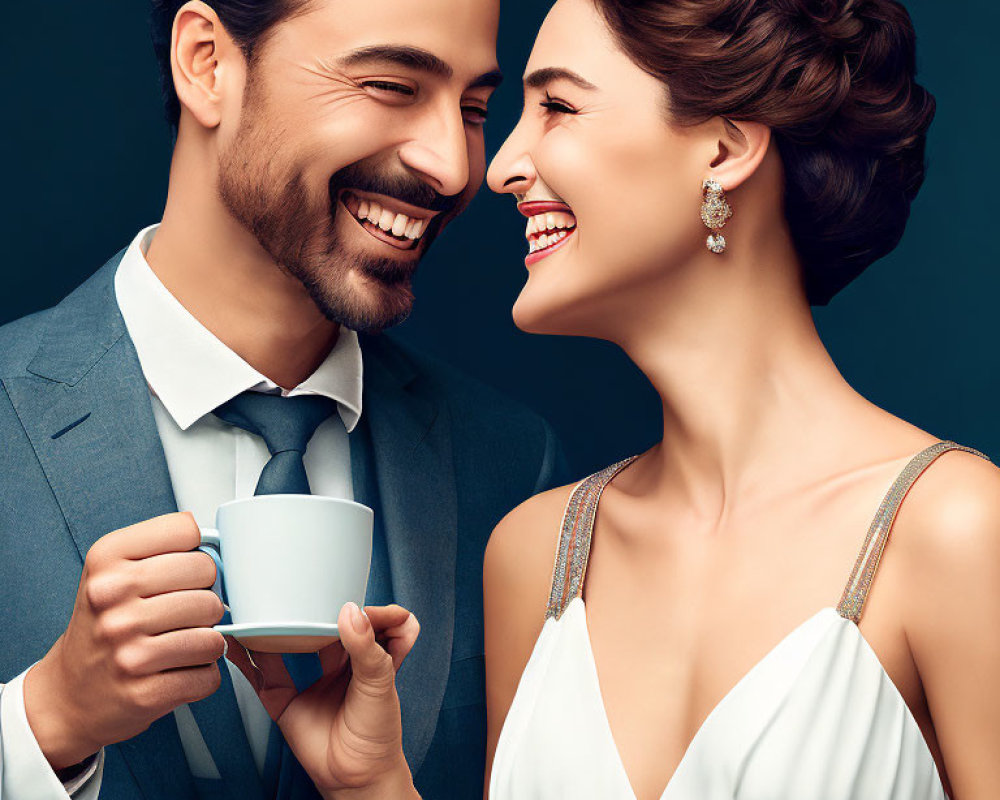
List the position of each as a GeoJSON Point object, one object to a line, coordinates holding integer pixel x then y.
{"type": "Point", "coordinates": [138, 645]}
{"type": "Point", "coordinates": [345, 729]}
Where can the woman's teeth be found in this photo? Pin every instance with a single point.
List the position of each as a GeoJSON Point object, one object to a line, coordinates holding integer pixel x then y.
{"type": "Point", "coordinates": [545, 230]}
{"type": "Point", "coordinates": [543, 241]}
{"type": "Point", "coordinates": [399, 225]}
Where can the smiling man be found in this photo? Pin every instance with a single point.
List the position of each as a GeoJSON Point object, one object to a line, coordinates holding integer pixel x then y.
{"type": "Point", "coordinates": [321, 146]}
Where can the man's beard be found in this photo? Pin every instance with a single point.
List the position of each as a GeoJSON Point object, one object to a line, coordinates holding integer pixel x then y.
{"type": "Point", "coordinates": [301, 238]}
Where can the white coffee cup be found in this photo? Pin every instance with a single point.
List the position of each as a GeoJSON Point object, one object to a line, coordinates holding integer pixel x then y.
{"type": "Point", "coordinates": [290, 559]}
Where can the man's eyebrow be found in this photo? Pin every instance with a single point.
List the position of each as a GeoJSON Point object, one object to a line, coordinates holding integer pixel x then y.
{"type": "Point", "coordinates": [413, 58]}
{"type": "Point", "coordinates": [541, 77]}
{"type": "Point", "coordinates": [401, 55]}
{"type": "Point", "coordinates": [491, 79]}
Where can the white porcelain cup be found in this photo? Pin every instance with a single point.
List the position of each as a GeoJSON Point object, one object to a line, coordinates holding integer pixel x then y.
{"type": "Point", "coordinates": [290, 558]}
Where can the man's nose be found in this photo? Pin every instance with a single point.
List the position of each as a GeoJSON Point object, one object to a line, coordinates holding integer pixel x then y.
{"type": "Point", "coordinates": [438, 151]}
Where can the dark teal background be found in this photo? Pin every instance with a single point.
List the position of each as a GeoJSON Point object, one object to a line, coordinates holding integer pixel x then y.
{"type": "Point", "coordinates": [86, 152]}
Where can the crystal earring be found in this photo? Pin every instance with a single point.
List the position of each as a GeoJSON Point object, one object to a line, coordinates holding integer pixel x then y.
{"type": "Point", "coordinates": [715, 212]}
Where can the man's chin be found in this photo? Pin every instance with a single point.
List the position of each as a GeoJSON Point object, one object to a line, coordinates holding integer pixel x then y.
{"type": "Point", "coordinates": [365, 304]}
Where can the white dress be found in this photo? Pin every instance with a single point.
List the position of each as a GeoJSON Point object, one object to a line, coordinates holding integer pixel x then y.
{"type": "Point", "coordinates": [817, 718]}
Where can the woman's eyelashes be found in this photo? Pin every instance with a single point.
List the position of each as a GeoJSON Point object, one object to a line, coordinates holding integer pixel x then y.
{"type": "Point", "coordinates": [556, 106]}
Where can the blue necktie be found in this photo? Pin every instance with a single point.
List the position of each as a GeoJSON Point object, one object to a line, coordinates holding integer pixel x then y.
{"type": "Point", "coordinates": [286, 424]}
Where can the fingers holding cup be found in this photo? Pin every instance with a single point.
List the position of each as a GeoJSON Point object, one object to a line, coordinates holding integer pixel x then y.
{"type": "Point", "coordinates": [396, 630]}
{"type": "Point", "coordinates": [371, 634]}
{"type": "Point", "coordinates": [266, 673]}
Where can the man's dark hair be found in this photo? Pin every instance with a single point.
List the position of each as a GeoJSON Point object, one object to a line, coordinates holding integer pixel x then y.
{"type": "Point", "coordinates": [246, 21]}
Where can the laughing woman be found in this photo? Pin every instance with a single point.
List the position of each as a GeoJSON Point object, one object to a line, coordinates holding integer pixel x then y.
{"type": "Point", "coordinates": [727, 615]}
{"type": "Point", "coordinates": [705, 631]}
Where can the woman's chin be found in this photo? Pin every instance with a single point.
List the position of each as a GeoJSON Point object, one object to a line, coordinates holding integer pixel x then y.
{"type": "Point", "coordinates": [535, 314]}
{"type": "Point", "coordinates": [532, 316]}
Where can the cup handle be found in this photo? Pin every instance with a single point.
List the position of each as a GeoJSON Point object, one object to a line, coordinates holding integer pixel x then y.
{"type": "Point", "coordinates": [211, 545]}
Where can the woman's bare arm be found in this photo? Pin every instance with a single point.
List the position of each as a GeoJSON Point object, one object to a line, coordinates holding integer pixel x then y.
{"type": "Point", "coordinates": [517, 574]}
{"type": "Point", "coordinates": [952, 616]}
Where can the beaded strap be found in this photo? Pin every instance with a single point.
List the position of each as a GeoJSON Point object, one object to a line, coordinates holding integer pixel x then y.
{"type": "Point", "coordinates": [856, 592]}
{"type": "Point", "coordinates": [574, 541]}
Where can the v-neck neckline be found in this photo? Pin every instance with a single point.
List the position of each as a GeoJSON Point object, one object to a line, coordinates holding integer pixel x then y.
{"type": "Point", "coordinates": [778, 648]}
{"type": "Point", "coordinates": [571, 568]}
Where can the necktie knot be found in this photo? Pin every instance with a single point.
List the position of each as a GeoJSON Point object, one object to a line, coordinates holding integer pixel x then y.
{"type": "Point", "coordinates": [286, 424]}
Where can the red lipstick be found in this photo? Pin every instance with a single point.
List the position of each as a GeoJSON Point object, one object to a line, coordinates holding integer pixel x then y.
{"type": "Point", "coordinates": [533, 207]}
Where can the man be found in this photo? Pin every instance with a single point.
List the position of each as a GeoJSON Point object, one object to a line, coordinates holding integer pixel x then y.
{"type": "Point", "coordinates": [321, 146]}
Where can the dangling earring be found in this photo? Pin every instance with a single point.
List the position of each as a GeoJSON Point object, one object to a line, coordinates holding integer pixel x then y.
{"type": "Point", "coordinates": [715, 212]}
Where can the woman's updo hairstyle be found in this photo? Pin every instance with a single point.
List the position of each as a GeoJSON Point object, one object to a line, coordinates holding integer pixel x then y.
{"type": "Point", "coordinates": [833, 79]}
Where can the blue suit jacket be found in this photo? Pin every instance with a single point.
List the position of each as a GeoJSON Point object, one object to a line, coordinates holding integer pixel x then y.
{"type": "Point", "coordinates": [439, 457]}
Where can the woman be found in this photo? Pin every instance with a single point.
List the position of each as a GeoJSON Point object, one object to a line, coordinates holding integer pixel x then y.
{"type": "Point", "coordinates": [689, 642]}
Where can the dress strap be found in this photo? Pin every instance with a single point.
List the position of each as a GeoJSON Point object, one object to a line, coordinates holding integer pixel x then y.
{"type": "Point", "coordinates": [852, 602]}
{"type": "Point", "coordinates": [574, 541]}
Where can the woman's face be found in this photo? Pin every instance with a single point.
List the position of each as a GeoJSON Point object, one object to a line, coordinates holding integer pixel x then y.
{"type": "Point", "coordinates": [611, 189]}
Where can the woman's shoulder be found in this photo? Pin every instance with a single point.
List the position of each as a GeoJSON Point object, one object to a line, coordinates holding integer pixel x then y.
{"type": "Point", "coordinates": [953, 511]}
{"type": "Point", "coordinates": [521, 550]}
{"type": "Point", "coordinates": [946, 541]}
{"type": "Point", "coordinates": [953, 500]}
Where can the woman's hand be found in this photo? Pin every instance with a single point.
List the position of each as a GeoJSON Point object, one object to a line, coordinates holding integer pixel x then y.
{"type": "Point", "coordinates": [345, 729]}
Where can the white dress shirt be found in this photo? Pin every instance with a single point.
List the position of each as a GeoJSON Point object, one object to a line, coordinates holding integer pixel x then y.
{"type": "Point", "coordinates": [190, 373]}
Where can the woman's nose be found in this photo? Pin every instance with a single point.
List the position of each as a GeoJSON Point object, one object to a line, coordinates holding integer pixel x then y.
{"type": "Point", "coordinates": [512, 170]}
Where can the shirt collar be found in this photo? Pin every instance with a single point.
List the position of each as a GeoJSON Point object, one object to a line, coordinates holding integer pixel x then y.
{"type": "Point", "coordinates": [192, 371]}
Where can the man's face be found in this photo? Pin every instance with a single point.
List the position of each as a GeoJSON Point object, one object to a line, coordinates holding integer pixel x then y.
{"type": "Point", "coordinates": [360, 137]}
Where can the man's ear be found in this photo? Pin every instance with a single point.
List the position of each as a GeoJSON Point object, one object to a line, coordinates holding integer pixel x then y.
{"type": "Point", "coordinates": [204, 61]}
{"type": "Point", "coordinates": [740, 148]}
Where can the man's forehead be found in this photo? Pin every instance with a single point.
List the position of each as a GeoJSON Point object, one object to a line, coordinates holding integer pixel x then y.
{"type": "Point", "coordinates": [461, 34]}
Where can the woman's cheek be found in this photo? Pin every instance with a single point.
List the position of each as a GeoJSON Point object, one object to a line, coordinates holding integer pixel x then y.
{"type": "Point", "coordinates": [565, 164]}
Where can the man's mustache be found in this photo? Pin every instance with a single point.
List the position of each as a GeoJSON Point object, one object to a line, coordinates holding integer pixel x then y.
{"type": "Point", "coordinates": [400, 186]}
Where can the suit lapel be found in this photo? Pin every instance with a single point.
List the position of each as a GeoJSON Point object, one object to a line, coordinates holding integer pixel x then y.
{"type": "Point", "coordinates": [86, 408]}
{"type": "Point", "coordinates": [414, 481]}
{"type": "Point", "coordinates": [97, 442]}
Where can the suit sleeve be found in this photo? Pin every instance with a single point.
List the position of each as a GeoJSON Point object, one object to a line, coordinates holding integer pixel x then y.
{"type": "Point", "coordinates": [554, 470]}
{"type": "Point", "coordinates": [25, 774]}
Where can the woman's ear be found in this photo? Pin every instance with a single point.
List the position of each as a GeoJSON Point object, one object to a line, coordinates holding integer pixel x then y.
{"type": "Point", "coordinates": [740, 149]}
{"type": "Point", "coordinates": [199, 51]}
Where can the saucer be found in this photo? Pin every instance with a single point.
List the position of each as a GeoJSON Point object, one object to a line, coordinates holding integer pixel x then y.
{"type": "Point", "coordinates": [282, 637]}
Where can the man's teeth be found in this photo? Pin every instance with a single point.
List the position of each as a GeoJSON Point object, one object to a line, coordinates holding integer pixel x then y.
{"type": "Point", "coordinates": [544, 230]}
{"type": "Point", "coordinates": [399, 225]}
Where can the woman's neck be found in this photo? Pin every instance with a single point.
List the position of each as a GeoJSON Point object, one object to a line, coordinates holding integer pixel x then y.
{"type": "Point", "coordinates": [751, 399]}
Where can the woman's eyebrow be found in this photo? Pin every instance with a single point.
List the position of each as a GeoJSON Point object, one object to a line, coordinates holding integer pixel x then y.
{"type": "Point", "coordinates": [541, 77]}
